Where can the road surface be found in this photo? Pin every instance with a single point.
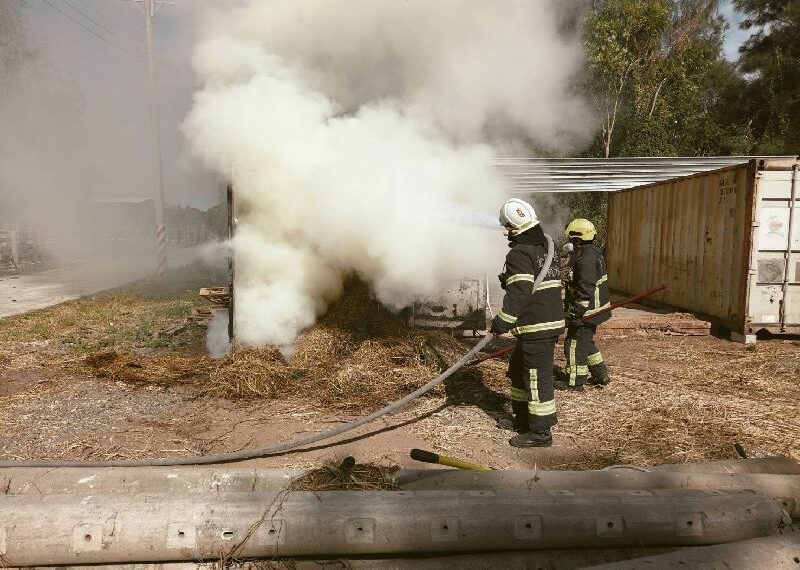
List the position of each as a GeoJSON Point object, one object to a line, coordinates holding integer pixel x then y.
{"type": "Point", "coordinates": [23, 293]}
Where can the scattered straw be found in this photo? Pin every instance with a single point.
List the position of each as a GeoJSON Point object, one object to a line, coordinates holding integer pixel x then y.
{"type": "Point", "coordinates": [101, 359]}
{"type": "Point", "coordinates": [673, 400]}
{"type": "Point", "coordinates": [358, 357]}
{"type": "Point", "coordinates": [140, 370]}
{"type": "Point", "coordinates": [251, 373]}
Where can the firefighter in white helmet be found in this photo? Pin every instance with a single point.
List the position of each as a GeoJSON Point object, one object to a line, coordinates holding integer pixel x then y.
{"type": "Point", "coordinates": [535, 318]}
{"type": "Point", "coordinates": [586, 296]}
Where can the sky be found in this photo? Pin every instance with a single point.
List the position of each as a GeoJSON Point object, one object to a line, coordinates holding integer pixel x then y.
{"type": "Point", "coordinates": [110, 72]}
{"type": "Point", "coordinates": [735, 36]}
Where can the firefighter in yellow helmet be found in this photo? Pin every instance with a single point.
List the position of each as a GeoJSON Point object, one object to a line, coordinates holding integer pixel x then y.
{"type": "Point", "coordinates": [536, 318]}
{"type": "Point", "coordinates": [586, 295]}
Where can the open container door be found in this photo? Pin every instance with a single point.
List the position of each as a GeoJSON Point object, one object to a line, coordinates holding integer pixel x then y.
{"type": "Point", "coordinates": [773, 301]}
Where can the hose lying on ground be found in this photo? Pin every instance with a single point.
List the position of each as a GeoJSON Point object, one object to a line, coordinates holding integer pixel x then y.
{"type": "Point", "coordinates": [299, 442]}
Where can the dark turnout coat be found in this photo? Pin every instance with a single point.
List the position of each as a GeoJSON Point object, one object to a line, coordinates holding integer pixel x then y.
{"type": "Point", "coordinates": [587, 287]}
{"type": "Point", "coordinates": [526, 314]}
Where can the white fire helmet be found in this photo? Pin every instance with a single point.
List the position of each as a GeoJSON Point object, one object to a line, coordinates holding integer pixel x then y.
{"type": "Point", "coordinates": [517, 216]}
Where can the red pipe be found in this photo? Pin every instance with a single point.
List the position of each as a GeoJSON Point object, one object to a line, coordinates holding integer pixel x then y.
{"type": "Point", "coordinates": [500, 352]}
{"type": "Point", "coordinates": [627, 301]}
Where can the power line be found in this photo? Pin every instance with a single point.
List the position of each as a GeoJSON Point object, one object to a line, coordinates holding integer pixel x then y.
{"type": "Point", "coordinates": [87, 16]}
{"type": "Point", "coordinates": [91, 31]}
{"type": "Point", "coordinates": [127, 33]}
{"type": "Point", "coordinates": [138, 8]}
{"type": "Point", "coordinates": [125, 41]}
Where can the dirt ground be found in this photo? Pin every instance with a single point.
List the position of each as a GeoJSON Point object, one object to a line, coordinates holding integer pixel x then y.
{"type": "Point", "coordinates": [673, 398]}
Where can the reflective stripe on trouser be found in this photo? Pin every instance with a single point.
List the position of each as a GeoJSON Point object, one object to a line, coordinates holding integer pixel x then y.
{"type": "Point", "coordinates": [582, 354]}
{"type": "Point", "coordinates": [531, 374]}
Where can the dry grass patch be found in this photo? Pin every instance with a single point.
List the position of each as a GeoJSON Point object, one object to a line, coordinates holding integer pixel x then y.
{"type": "Point", "coordinates": [359, 356]}
{"type": "Point", "coordinates": [129, 318]}
{"type": "Point", "coordinates": [74, 329]}
{"type": "Point", "coordinates": [134, 369]}
{"type": "Point", "coordinates": [683, 400]}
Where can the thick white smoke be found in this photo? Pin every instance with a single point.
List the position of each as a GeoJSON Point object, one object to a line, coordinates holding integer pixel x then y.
{"type": "Point", "coordinates": [359, 135]}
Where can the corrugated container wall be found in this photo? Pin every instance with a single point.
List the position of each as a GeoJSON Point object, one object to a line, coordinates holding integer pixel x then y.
{"type": "Point", "coordinates": [718, 241]}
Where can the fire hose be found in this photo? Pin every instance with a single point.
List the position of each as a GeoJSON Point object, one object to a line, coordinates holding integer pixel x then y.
{"type": "Point", "coordinates": [627, 301]}
{"type": "Point", "coordinates": [295, 443]}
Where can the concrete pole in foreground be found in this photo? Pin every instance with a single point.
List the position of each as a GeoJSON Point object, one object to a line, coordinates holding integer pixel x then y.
{"type": "Point", "coordinates": [111, 529]}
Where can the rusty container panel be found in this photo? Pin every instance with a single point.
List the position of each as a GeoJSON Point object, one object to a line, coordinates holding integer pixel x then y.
{"type": "Point", "coordinates": [692, 234]}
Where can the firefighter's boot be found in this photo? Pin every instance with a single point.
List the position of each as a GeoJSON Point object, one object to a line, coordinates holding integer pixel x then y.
{"type": "Point", "coordinates": [564, 385]}
{"type": "Point", "coordinates": [532, 439]}
{"type": "Point", "coordinates": [600, 380]}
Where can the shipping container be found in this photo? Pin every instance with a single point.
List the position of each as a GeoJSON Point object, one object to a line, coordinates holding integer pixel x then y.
{"type": "Point", "coordinates": [726, 243]}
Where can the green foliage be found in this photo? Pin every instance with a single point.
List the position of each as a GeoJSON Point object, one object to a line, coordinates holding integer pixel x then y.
{"type": "Point", "coordinates": [662, 87]}
{"type": "Point", "coordinates": [657, 77]}
{"type": "Point", "coordinates": [590, 205]}
{"type": "Point", "coordinates": [771, 60]}
{"type": "Point", "coordinates": [216, 219]}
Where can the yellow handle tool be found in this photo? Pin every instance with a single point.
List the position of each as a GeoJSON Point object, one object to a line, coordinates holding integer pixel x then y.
{"type": "Point", "coordinates": [430, 457]}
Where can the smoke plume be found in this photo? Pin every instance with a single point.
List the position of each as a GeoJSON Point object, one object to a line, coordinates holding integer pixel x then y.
{"type": "Point", "coordinates": [359, 135]}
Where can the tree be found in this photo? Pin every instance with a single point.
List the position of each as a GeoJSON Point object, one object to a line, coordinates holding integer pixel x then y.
{"type": "Point", "coordinates": [771, 61]}
{"type": "Point", "coordinates": [620, 37]}
{"type": "Point", "coordinates": [660, 84]}
{"type": "Point", "coordinates": [14, 48]}
{"type": "Point", "coordinates": [656, 73]}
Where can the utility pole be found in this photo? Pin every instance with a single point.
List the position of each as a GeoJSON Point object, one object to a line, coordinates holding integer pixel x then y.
{"type": "Point", "coordinates": [150, 7]}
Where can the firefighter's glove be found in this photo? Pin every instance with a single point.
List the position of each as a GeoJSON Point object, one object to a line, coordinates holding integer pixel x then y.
{"type": "Point", "coordinates": [502, 278]}
{"type": "Point", "coordinates": [499, 326]}
{"type": "Point", "coordinates": [575, 315]}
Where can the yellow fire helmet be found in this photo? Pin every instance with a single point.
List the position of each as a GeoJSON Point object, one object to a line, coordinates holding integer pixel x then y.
{"type": "Point", "coordinates": [581, 228]}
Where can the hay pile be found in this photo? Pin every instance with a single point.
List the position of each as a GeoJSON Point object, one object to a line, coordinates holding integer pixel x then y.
{"type": "Point", "coordinates": [357, 357]}
{"type": "Point", "coordinates": [336, 476]}
{"type": "Point", "coordinates": [246, 373]}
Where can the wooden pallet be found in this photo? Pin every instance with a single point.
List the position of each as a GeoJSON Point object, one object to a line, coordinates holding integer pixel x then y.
{"type": "Point", "coordinates": [216, 295]}
{"type": "Point", "coordinates": [203, 315]}
{"type": "Point", "coordinates": [219, 299]}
